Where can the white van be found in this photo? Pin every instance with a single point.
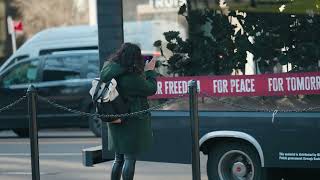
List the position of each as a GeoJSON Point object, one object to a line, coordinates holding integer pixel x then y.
{"type": "Point", "coordinates": [76, 38]}
{"type": "Point", "coordinates": [56, 39]}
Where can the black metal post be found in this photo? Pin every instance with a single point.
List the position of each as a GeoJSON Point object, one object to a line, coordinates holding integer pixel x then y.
{"type": "Point", "coordinates": [253, 3]}
{"type": "Point", "coordinates": [33, 132]}
{"type": "Point", "coordinates": [110, 27]}
{"type": "Point", "coordinates": [110, 31]}
{"type": "Point", "coordinates": [194, 118]}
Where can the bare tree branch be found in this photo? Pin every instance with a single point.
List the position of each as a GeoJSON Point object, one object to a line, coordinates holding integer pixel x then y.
{"type": "Point", "coordinates": [41, 14]}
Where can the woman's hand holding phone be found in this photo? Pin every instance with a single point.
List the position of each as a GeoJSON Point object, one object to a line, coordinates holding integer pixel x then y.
{"type": "Point", "coordinates": [150, 65]}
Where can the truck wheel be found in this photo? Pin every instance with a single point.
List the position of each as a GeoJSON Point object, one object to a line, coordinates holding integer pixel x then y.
{"type": "Point", "coordinates": [234, 161]}
{"type": "Point", "coordinates": [23, 133]}
{"type": "Point", "coordinates": [95, 124]}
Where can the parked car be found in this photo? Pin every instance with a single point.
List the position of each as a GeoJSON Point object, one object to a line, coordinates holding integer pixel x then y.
{"type": "Point", "coordinates": [56, 40]}
{"type": "Point", "coordinates": [60, 62]}
{"type": "Point", "coordinates": [69, 39]}
{"type": "Point", "coordinates": [64, 78]}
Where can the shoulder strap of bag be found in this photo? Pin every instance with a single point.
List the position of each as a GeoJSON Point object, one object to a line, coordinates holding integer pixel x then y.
{"type": "Point", "coordinates": [105, 89]}
{"type": "Point", "coordinates": [96, 95]}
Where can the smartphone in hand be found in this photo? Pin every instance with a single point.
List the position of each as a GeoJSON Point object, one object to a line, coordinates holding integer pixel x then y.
{"type": "Point", "coordinates": [147, 58]}
{"type": "Point", "coordinates": [150, 65]}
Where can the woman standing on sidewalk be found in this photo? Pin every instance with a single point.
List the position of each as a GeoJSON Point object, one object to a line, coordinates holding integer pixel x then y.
{"type": "Point", "coordinates": [136, 81]}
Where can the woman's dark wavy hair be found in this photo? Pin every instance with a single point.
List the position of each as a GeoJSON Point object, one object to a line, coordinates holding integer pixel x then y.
{"type": "Point", "coordinates": [129, 57]}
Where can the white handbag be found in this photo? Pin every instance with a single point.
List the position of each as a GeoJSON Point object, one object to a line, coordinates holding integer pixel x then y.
{"type": "Point", "coordinates": [103, 92]}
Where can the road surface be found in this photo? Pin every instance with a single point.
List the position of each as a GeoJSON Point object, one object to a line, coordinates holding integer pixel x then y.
{"type": "Point", "coordinates": [61, 159]}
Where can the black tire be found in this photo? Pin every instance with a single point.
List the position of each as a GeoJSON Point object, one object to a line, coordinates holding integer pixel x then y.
{"type": "Point", "coordinates": [234, 161]}
{"type": "Point", "coordinates": [23, 133]}
{"type": "Point", "coordinates": [95, 124]}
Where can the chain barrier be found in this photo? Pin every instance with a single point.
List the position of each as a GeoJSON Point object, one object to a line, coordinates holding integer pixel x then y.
{"type": "Point", "coordinates": [7, 107]}
{"type": "Point", "coordinates": [111, 115]}
{"type": "Point", "coordinates": [275, 110]}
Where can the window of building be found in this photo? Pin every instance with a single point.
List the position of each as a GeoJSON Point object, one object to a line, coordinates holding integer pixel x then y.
{"type": "Point", "coordinates": [145, 21]}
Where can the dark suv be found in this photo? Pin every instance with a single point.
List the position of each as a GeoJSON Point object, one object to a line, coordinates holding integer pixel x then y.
{"type": "Point", "coordinates": [62, 78]}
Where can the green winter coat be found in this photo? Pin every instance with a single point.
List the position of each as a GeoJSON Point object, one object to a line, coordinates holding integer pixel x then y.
{"type": "Point", "coordinates": [135, 134]}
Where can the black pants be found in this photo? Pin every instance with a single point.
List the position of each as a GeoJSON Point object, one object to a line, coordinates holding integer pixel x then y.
{"type": "Point", "coordinates": [124, 163]}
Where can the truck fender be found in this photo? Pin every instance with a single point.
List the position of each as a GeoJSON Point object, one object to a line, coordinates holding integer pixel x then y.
{"type": "Point", "coordinates": [233, 135]}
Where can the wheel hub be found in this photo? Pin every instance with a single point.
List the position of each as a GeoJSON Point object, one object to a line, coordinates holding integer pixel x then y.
{"type": "Point", "coordinates": [239, 169]}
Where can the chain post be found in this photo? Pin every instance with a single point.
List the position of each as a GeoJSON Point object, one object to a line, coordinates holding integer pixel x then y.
{"type": "Point", "coordinates": [194, 118]}
{"type": "Point", "coordinates": [33, 131]}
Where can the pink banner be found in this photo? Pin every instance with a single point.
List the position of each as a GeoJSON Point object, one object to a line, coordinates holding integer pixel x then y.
{"type": "Point", "coordinates": [242, 85]}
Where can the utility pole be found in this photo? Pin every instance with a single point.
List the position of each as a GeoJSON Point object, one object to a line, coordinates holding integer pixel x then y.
{"type": "Point", "coordinates": [12, 32]}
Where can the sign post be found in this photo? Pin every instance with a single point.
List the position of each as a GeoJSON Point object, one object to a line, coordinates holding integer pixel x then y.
{"type": "Point", "coordinates": [194, 117]}
{"type": "Point", "coordinates": [11, 31]}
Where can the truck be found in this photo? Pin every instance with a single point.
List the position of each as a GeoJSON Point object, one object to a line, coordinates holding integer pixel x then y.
{"type": "Point", "coordinates": [244, 144]}
{"type": "Point", "coordinates": [239, 144]}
